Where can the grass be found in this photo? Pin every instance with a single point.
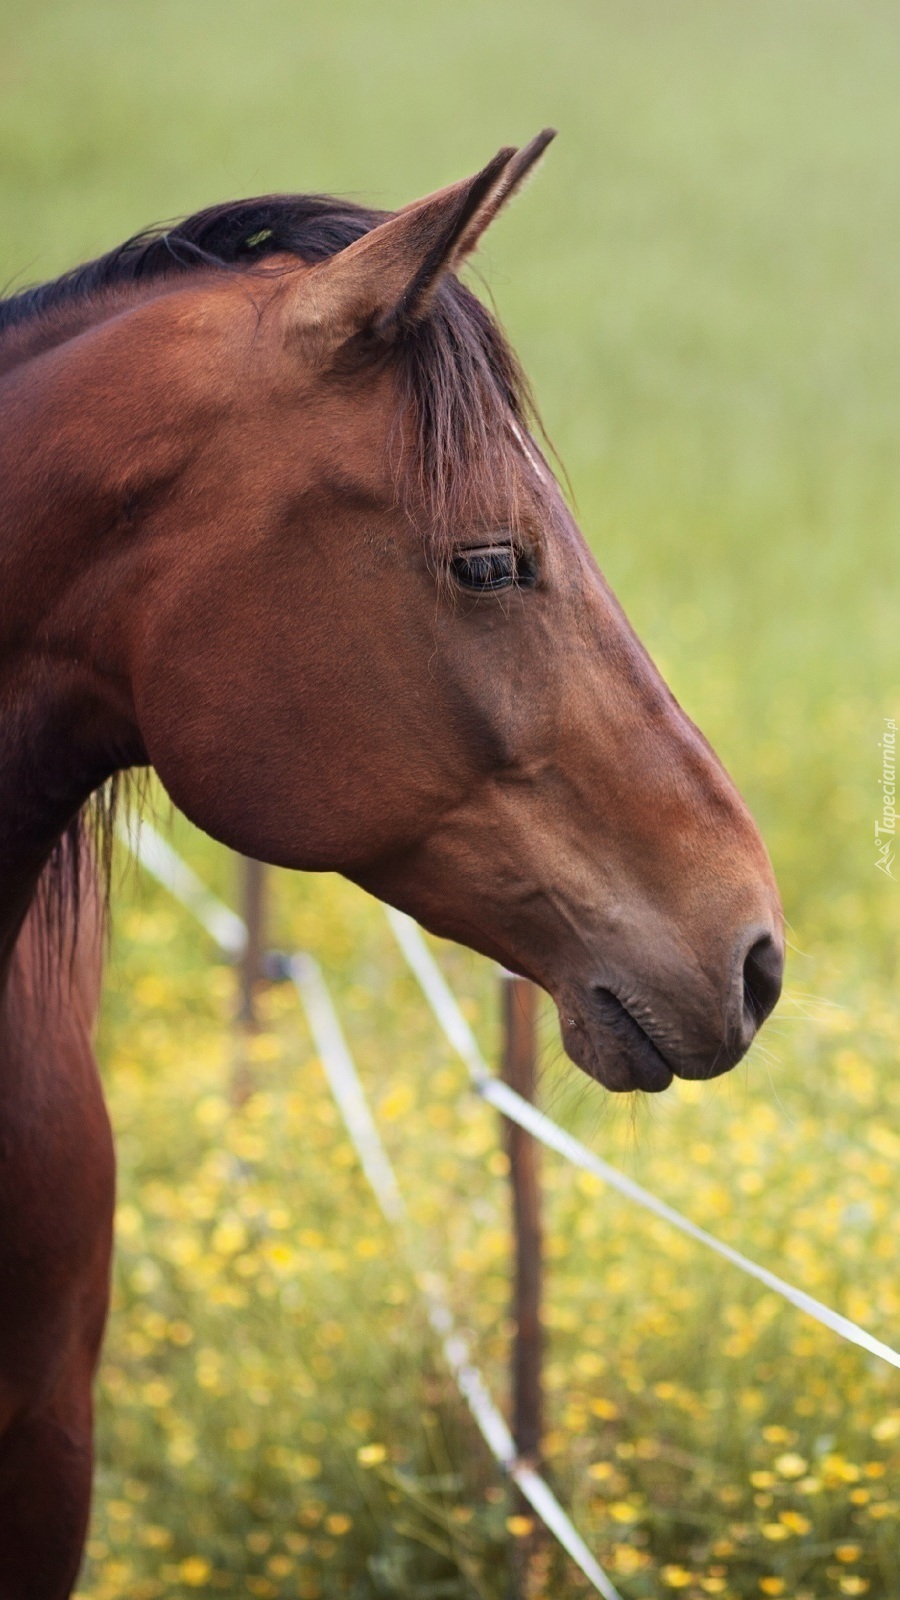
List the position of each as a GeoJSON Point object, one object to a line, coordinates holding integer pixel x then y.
{"type": "Point", "coordinates": [703, 284]}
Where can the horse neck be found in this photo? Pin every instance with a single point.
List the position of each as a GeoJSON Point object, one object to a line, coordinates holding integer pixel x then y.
{"type": "Point", "coordinates": [66, 721]}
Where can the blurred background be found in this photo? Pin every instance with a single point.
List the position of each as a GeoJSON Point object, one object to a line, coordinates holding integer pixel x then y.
{"type": "Point", "coordinates": [702, 283]}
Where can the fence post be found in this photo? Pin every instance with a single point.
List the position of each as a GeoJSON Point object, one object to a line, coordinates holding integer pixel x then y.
{"type": "Point", "coordinates": [253, 911]}
{"type": "Point", "coordinates": [519, 999]}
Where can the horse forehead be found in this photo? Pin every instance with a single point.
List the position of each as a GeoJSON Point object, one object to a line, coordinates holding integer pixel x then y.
{"type": "Point", "coordinates": [357, 421]}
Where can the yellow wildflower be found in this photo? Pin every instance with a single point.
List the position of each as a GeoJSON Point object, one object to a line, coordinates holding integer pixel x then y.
{"type": "Point", "coordinates": [156, 1393]}
{"type": "Point", "coordinates": [280, 1566]}
{"type": "Point", "coordinates": [795, 1521]}
{"type": "Point", "coordinates": [624, 1511]}
{"type": "Point", "coordinates": [229, 1237]}
{"type": "Point", "coordinates": [338, 1523]}
{"type": "Point", "coordinates": [627, 1560]}
{"type": "Point", "coordinates": [194, 1572]}
{"type": "Point", "coordinates": [154, 1537]}
{"type": "Point", "coordinates": [371, 1455]}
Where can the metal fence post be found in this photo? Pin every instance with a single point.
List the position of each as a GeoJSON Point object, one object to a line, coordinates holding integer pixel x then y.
{"type": "Point", "coordinates": [519, 999]}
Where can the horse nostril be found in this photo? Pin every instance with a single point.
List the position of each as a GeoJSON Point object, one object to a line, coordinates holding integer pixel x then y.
{"type": "Point", "coordinates": [763, 970]}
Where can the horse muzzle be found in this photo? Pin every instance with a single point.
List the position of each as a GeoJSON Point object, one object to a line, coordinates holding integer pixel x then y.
{"type": "Point", "coordinates": [626, 1043]}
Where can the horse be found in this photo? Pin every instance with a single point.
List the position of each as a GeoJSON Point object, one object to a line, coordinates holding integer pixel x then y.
{"type": "Point", "coordinates": [275, 522]}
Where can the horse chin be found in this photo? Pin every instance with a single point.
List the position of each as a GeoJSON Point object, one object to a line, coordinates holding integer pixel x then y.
{"type": "Point", "coordinates": [612, 1048]}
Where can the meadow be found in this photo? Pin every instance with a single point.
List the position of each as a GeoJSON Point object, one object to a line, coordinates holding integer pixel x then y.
{"type": "Point", "coordinates": [703, 284]}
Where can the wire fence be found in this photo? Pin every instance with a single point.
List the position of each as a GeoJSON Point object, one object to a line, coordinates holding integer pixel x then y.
{"type": "Point", "coordinates": [350, 1099]}
{"type": "Point", "coordinates": [445, 1006]}
{"type": "Point", "coordinates": [229, 932]}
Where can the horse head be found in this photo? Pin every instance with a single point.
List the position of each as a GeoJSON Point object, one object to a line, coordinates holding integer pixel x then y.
{"type": "Point", "coordinates": [353, 625]}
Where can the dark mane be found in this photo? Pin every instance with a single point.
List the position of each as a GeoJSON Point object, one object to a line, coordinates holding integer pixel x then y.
{"type": "Point", "coordinates": [458, 378]}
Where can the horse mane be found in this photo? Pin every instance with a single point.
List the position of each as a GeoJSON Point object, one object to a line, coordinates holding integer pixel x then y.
{"type": "Point", "coordinates": [458, 379]}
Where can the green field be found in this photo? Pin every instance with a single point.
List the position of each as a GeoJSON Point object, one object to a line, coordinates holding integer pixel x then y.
{"type": "Point", "coordinates": [704, 284]}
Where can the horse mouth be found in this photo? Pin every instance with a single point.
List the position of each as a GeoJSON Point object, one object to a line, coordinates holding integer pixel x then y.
{"type": "Point", "coordinates": [612, 1047]}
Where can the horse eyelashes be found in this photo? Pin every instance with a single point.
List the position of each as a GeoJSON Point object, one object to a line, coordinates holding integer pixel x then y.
{"type": "Point", "coordinates": [490, 569]}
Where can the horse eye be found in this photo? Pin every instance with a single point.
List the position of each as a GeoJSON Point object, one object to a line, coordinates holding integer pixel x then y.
{"type": "Point", "coordinates": [493, 567]}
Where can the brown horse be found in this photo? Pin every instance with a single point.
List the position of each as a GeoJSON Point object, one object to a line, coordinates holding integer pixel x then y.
{"type": "Point", "coordinates": [272, 522]}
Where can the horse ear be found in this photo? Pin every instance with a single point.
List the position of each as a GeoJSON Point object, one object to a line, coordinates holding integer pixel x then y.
{"type": "Point", "coordinates": [386, 281]}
